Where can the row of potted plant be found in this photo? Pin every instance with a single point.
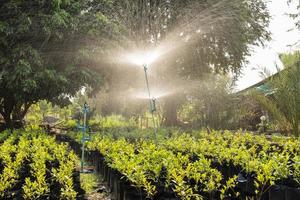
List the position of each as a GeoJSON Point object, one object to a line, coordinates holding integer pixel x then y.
{"type": "Point", "coordinates": [194, 165]}
{"type": "Point", "coordinates": [33, 165]}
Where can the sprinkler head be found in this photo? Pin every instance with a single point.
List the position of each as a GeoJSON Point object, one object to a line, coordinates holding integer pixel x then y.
{"type": "Point", "coordinates": [85, 107]}
{"type": "Point", "coordinates": [153, 105]}
{"type": "Point", "coordinates": [145, 67]}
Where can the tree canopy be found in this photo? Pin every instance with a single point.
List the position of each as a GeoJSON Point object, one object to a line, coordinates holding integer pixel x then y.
{"type": "Point", "coordinates": [295, 15]}
{"type": "Point", "coordinates": [194, 38]}
{"type": "Point", "coordinates": [51, 49]}
{"type": "Point", "coordinates": [42, 51]}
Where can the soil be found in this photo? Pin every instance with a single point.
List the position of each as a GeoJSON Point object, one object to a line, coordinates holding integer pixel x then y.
{"type": "Point", "coordinates": [100, 190]}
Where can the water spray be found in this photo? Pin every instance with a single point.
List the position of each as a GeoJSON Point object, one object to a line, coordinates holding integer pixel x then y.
{"type": "Point", "coordinates": [144, 59]}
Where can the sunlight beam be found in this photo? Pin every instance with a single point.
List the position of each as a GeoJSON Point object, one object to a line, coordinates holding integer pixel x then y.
{"type": "Point", "coordinates": [142, 58]}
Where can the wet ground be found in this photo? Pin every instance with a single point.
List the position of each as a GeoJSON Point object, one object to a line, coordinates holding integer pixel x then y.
{"type": "Point", "coordinates": [93, 185]}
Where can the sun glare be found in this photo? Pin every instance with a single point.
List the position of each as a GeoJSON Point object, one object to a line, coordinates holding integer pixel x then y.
{"type": "Point", "coordinates": [156, 94]}
{"type": "Point", "coordinates": [142, 58]}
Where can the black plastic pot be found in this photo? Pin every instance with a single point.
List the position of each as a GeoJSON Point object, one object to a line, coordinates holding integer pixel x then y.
{"type": "Point", "coordinates": [112, 179]}
{"type": "Point", "coordinates": [292, 193]}
{"type": "Point", "coordinates": [277, 192]}
{"type": "Point", "coordinates": [132, 193]}
{"type": "Point", "coordinates": [55, 190]}
{"type": "Point", "coordinates": [117, 191]}
{"type": "Point", "coordinates": [247, 187]}
{"type": "Point", "coordinates": [77, 186]}
{"type": "Point", "coordinates": [1, 166]}
{"type": "Point", "coordinates": [289, 182]}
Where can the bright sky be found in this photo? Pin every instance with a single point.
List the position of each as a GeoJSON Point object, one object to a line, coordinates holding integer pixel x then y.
{"type": "Point", "coordinates": [281, 39]}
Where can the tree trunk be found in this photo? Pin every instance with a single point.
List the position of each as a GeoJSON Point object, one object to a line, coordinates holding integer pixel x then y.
{"type": "Point", "coordinates": [18, 114]}
{"type": "Point", "coordinates": [13, 114]}
{"type": "Point", "coordinates": [295, 124]}
{"type": "Point", "coordinates": [7, 120]}
{"type": "Point", "coordinates": [6, 109]}
{"type": "Point", "coordinates": [170, 112]}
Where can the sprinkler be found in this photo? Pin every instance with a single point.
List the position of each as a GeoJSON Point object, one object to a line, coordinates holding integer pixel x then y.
{"type": "Point", "coordinates": [144, 59]}
{"type": "Point", "coordinates": [152, 104]}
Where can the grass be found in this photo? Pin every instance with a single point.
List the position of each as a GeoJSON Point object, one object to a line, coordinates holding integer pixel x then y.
{"type": "Point", "coordinates": [89, 182]}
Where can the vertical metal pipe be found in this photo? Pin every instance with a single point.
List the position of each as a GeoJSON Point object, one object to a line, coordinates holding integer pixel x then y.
{"type": "Point", "coordinates": [83, 136]}
{"type": "Point", "coordinates": [147, 83]}
{"type": "Point", "coordinates": [150, 101]}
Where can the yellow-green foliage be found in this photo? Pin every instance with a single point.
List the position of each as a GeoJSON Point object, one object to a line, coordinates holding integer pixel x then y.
{"type": "Point", "coordinates": [142, 161]}
{"type": "Point", "coordinates": [38, 148]}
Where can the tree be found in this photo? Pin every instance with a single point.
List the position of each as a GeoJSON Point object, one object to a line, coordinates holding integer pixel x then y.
{"type": "Point", "coordinates": [284, 103]}
{"type": "Point", "coordinates": [268, 105]}
{"type": "Point", "coordinates": [195, 38]}
{"type": "Point", "coordinates": [295, 15]}
{"type": "Point", "coordinates": [44, 51]}
{"type": "Point", "coordinates": [287, 90]}
{"type": "Point", "coordinates": [212, 104]}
